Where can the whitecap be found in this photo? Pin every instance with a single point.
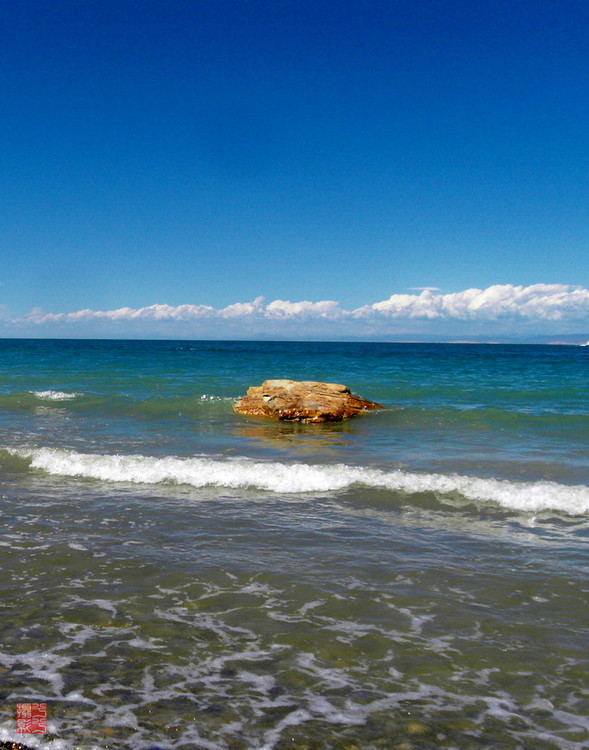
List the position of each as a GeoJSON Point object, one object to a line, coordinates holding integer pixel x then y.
{"type": "Point", "coordinates": [285, 478]}
{"type": "Point", "coordinates": [51, 395]}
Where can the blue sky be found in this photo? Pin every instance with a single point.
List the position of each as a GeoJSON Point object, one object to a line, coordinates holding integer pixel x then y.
{"type": "Point", "coordinates": [233, 168]}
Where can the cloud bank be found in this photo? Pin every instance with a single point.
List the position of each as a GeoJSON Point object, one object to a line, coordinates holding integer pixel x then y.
{"type": "Point", "coordinates": [505, 308]}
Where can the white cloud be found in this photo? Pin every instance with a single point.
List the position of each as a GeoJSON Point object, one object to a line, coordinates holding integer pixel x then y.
{"type": "Point", "coordinates": [242, 309]}
{"type": "Point", "coordinates": [152, 312]}
{"type": "Point", "coordinates": [539, 301]}
{"type": "Point", "coordinates": [285, 309]}
{"type": "Point", "coordinates": [500, 307]}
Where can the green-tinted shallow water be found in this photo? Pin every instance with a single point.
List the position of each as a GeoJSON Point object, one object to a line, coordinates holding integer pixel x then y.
{"type": "Point", "coordinates": [177, 576]}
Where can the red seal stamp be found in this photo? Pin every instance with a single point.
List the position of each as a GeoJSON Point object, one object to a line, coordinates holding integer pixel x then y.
{"type": "Point", "coordinates": [31, 718]}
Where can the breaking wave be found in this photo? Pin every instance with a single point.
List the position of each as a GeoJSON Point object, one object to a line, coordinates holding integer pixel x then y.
{"type": "Point", "coordinates": [291, 478]}
{"type": "Point", "coordinates": [51, 395]}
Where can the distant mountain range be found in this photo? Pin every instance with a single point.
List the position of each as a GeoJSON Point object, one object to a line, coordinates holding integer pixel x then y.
{"type": "Point", "coordinates": [569, 339]}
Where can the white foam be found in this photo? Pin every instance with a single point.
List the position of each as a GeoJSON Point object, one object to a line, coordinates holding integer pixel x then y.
{"type": "Point", "coordinates": [107, 605]}
{"type": "Point", "coordinates": [146, 643]}
{"type": "Point", "coordinates": [261, 682]}
{"type": "Point", "coordinates": [8, 734]}
{"type": "Point", "coordinates": [55, 395]}
{"type": "Point", "coordinates": [44, 665]}
{"type": "Point", "coordinates": [299, 478]}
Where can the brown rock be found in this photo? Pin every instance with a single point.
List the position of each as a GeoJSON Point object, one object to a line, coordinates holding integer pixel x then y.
{"type": "Point", "coordinates": [301, 401]}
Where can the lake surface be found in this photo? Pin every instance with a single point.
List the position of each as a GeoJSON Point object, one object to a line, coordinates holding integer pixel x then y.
{"type": "Point", "coordinates": [175, 575]}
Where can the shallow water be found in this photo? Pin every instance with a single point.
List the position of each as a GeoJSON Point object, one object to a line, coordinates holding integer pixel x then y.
{"type": "Point", "coordinates": [176, 575]}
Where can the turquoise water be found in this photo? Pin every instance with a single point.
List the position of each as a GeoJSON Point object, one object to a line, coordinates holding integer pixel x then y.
{"type": "Point", "coordinates": [175, 575]}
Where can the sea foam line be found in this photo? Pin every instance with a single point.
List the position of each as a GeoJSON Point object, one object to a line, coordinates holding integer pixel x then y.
{"type": "Point", "coordinates": [299, 477]}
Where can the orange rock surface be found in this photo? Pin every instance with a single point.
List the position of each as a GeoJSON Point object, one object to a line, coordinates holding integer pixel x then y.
{"type": "Point", "coordinates": [302, 401]}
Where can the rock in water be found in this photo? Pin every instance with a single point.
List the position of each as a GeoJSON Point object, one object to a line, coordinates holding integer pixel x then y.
{"type": "Point", "coordinates": [301, 401]}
